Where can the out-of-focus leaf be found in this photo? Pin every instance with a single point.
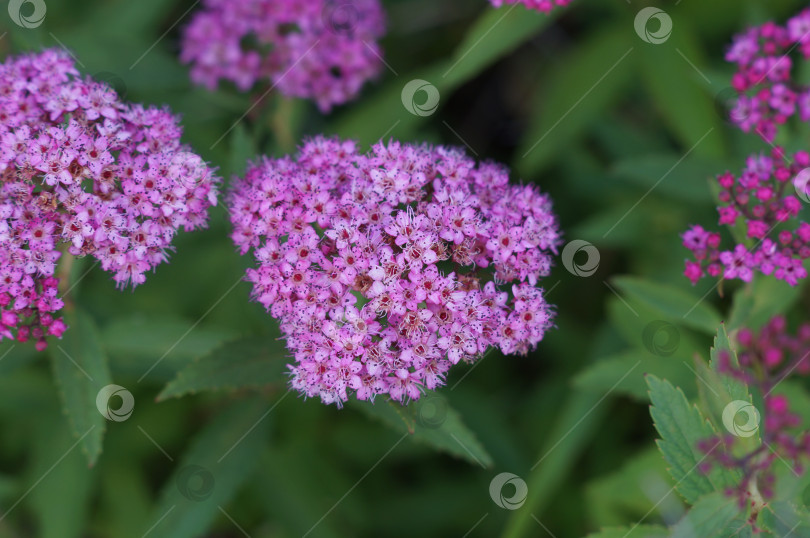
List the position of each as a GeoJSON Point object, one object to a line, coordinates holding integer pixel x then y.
{"type": "Point", "coordinates": [588, 79]}
{"type": "Point", "coordinates": [642, 478]}
{"type": "Point", "coordinates": [756, 303]}
{"type": "Point", "coordinates": [80, 369]}
{"type": "Point", "coordinates": [639, 531]}
{"type": "Point", "coordinates": [671, 72]}
{"type": "Point", "coordinates": [674, 304]}
{"type": "Point", "coordinates": [785, 519]}
{"type": "Point", "coordinates": [221, 457]}
{"type": "Point", "coordinates": [158, 345]}
{"type": "Point", "coordinates": [670, 175]}
{"type": "Point", "coordinates": [430, 420]}
{"type": "Point", "coordinates": [59, 464]}
{"type": "Point", "coordinates": [625, 373]}
{"type": "Point", "coordinates": [251, 362]}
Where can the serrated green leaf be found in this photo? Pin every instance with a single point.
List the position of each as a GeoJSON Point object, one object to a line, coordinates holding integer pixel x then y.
{"type": "Point", "coordinates": [712, 516]}
{"type": "Point", "coordinates": [80, 369]}
{"type": "Point", "coordinates": [681, 426]}
{"type": "Point", "coordinates": [250, 362]}
{"type": "Point", "coordinates": [673, 303]}
{"type": "Point", "coordinates": [431, 421]}
{"type": "Point", "coordinates": [213, 468]}
{"type": "Point", "coordinates": [639, 531]}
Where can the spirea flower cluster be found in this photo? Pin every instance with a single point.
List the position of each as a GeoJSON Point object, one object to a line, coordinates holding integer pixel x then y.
{"type": "Point", "coordinates": [82, 171]}
{"type": "Point", "coordinates": [540, 5]}
{"type": "Point", "coordinates": [769, 95]}
{"type": "Point", "coordinates": [387, 268]}
{"type": "Point", "coordinates": [323, 50]}
{"type": "Point", "coordinates": [765, 359]}
{"type": "Point", "coordinates": [763, 201]}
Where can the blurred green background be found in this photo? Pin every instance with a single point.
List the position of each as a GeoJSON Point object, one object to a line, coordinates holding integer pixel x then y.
{"type": "Point", "coordinates": [623, 134]}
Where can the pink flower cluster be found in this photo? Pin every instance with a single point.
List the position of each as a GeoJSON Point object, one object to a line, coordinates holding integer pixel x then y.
{"type": "Point", "coordinates": [84, 172]}
{"type": "Point", "coordinates": [323, 50]}
{"type": "Point", "coordinates": [762, 201]}
{"type": "Point", "coordinates": [765, 360]}
{"type": "Point", "coordinates": [387, 268]}
{"type": "Point", "coordinates": [540, 5]}
{"type": "Point", "coordinates": [764, 79]}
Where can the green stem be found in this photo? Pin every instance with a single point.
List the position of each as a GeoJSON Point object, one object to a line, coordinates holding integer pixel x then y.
{"type": "Point", "coordinates": [281, 124]}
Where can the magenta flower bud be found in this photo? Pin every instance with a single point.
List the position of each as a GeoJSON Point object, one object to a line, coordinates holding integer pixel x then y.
{"type": "Point", "coordinates": [540, 5]}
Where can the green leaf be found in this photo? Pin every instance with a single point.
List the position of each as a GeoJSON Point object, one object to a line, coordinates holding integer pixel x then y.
{"type": "Point", "coordinates": [57, 461]}
{"type": "Point", "coordinates": [718, 390]}
{"type": "Point", "coordinates": [431, 421]}
{"type": "Point", "coordinates": [671, 72]}
{"type": "Point", "coordinates": [671, 175]}
{"type": "Point", "coordinates": [643, 477]}
{"type": "Point", "coordinates": [712, 516]}
{"type": "Point", "coordinates": [80, 369]}
{"type": "Point", "coordinates": [673, 303]}
{"type": "Point", "coordinates": [639, 531]}
{"type": "Point", "coordinates": [586, 81]}
{"type": "Point", "coordinates": [250, 362]}
{"type": "Point", "coordinates": [219, 460]}
{"type": "Point", "coordinates": [496, 33]}
{"type": "Point", "coordinates": [756, 303]}
{"type": "Point", "coordinates": [625, 373]}
{"type": "Point", "coordinates": [681, 426]}
{"type": "Point", "coordinates": [785, 519]}
{"type": "Point", "coordinates": [159, 345]}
